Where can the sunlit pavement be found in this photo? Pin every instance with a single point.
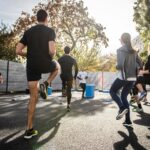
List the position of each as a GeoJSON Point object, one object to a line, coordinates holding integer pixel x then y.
{"type": "Point", "coordinates": [91, 124]}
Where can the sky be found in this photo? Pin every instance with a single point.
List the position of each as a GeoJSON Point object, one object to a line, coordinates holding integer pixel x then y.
{"type": "Point", "coordinates": [115, 15]}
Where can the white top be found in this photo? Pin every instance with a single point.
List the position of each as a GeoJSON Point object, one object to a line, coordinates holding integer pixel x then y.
{"type": "Point", "coordinates": [82, 76]}
{"type": "Point", "coordinates": [119, 75]}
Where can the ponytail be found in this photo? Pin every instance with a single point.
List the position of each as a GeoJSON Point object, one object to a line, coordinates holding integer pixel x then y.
{"type": "Point", "coordinates": [126, 39]}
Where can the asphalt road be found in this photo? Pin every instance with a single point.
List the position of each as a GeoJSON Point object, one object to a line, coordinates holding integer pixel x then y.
{"type": "Point", "coordinates": [91, 124]}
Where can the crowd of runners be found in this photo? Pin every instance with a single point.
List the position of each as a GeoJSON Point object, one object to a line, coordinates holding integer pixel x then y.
{"type": "Point", "coordinates": [41, 49]}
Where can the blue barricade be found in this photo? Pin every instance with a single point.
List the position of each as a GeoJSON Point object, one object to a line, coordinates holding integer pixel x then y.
{"type": "Point", "coordinates": [49, 90]}
{"type": "Point", "coordinates": [89, 91]}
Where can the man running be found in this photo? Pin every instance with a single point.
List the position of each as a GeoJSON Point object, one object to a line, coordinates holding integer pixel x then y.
{"type": "Point", "coordinates": [67, 62]}
{"type": "Point", "coordinates": [40, 43]}
{"type": "Point", "coordinates": [82, 76]}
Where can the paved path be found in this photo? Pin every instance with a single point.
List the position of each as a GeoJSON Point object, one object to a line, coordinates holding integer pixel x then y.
{"type": "Point", "coordinates": [91, 125]}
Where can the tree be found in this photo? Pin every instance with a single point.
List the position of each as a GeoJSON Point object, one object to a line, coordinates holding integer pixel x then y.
{"type": "Point", "coordinates": [107, 63]}
{"type": "Point", "coordinates": [7, 43]}
{"type": "Point", "coordinates": [142, 20]}
{"type": "Point", "coordinates": [73, 27]}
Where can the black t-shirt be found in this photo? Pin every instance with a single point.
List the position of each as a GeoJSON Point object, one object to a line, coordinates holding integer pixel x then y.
{"type": "Point", "coordinates": [36, 39]}
{"type": "Point", "coordinates": [67, 62]}
{"type": "Point", "coordinates": [147, 66]}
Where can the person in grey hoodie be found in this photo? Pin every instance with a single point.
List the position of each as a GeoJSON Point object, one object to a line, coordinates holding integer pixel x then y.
{"type": "Point", "coordinates": [127, 63]}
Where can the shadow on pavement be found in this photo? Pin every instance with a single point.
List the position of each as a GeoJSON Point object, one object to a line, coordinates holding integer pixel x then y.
{"type": "Point", "coordinates": [45, 133]}
{"type": "Point", "coordinates": [130, 139]}
{"type": "Point", "coordinates": [47, 122]}
{"type": "Point", "coordinates": [88, 107]}
{"type": "Point", "coordinates": [144, 120]}
{"type": "Point", "coordinates": [148, 136]}
{"type": "Point", "coordinates": [12, 142]}
{"type": "Point", "coordinates": [13, 115]}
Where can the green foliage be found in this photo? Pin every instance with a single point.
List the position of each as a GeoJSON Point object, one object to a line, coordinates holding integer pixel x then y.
{"type": "Point", "coordinates": [73, 27]}
{"type": "Point", "coordinates": [108, 63]}
{"type": "Point", "coordinates": [88, 59]}
{"type": "Point", "coordinates": [144, 55]}
{"type": "Point", "coordinates": [142, 19]}
{"type": "Point", "coordinates": [7, 43]}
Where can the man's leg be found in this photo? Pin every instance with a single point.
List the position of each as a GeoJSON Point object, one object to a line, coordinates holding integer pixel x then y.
{"type": "Point", "coordinates": [54, 73]}
{"type": "Point", "coordinates": [55, 67]}
{"type": "Point", "coordinates": [33, 88]}
{"type": "Point", "coordinates": [64, 94]}
{"type": "Point", "coordinates": [140, 87]}
{"type": "Point", "coordinates": [134, 94]}
{"type": "Point", "coordinates": [69, 95]}
{"type": "Point", "coordinates": [145, 98]}
{"type": "Point", "coordinates": [139, 108]}
{"type": "Point", "coordinates": [140, 81]}
{"type": "Point", "coordinates": [84, 86]}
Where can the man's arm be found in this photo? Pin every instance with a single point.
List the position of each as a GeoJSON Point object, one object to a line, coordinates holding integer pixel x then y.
{"type": "Point", "coordinates": [76, 69]}
{"type": "Point", "coordinates": [139, 62]}
{"type": "Point", "coordinates": [52, 48]}
{"type": "Point", "coordinates": [19, 49]}
{"type": "Point", "coordinates": [142, 72]}
{"type": "Point", "coordinates": [21, 45]}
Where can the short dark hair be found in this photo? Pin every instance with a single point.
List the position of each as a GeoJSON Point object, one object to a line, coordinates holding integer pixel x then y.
{"type": "Point", "coordinates": [67, 50]}
{"type": "Point", "coordinates": [41, 15]}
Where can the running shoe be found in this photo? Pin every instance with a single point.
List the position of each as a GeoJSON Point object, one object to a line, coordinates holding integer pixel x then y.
{"type": "Point", "coordinates": [127, 124]}
{"type": "Point", "coordinates": [30, 133]}
{"type": "Point", "coordinates": [132, 101]}
{"type": "Point", "coordinates": [43, 90]}
{"type": "Point", "coordinates": [68, 108]}
{"type": "Point", "coordinates": [137, 109]}
{"type": "Point", "coordinates": [121, 113]}
{"type": "Point", "coordinates": [142, 95]}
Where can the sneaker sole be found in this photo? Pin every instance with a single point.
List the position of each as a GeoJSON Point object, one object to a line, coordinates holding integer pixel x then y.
{"type": "Point", "coordinates": [139, 111]}
{"type": "Point", "coordinates": [29, 137]}
{"type": "Point", "coordinates": [122, 114]}
{"type": "Point", "coordinates": [132, 102]}
{"type": "Point", "coordinates": [127, 125]}
{"type": "Point", "coordinates": [43, 91]}
{"type": "Point", "coordinates": [68, 109]}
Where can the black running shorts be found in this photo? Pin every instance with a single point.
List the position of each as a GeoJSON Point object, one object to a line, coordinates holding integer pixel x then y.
{"type": "Point", "coordinates": [35, 75]}
{"type": "Point", "coordinates": [143, 80]}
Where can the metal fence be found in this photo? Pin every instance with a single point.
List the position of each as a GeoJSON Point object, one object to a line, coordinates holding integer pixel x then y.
{"type": "Point", "coordinates": [14, 75]}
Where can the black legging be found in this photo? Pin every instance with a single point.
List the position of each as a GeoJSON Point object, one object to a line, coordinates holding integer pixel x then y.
{"type": "Point", "coordinates": [66, 86]}
{"type": "Point", "coordinates": [83, 86]}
